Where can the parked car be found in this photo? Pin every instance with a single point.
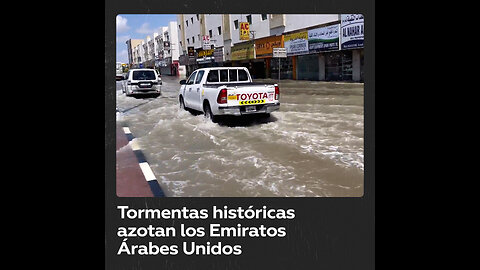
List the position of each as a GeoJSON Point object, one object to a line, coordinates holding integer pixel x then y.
{"type": "Point", "coordinates": [142, 82]}
{"type": "Point", "coordinates": [227, 91]}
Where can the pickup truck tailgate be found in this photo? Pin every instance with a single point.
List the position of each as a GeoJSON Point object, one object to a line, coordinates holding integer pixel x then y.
{"type": "Point", "coordinates": [251, 95]}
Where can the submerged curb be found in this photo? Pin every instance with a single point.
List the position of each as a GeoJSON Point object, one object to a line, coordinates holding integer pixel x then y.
{"type": "Point", "coordinates": [144, 166]}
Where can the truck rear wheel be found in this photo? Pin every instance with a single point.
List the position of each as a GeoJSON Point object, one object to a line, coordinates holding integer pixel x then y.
{"type": "Point", "coordinates": [208, 113]}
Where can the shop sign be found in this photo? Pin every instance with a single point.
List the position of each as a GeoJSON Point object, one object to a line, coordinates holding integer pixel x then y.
{"type": "Point", "coordinates": [296, 43]}
{"type": "Point", "coordinates": [352, 31]}
{"type": "Point", "coordinates": [162, 63]}
{"type": "Point", "coordinates": [218, 54]}
{"type": "Point", "coordinates": [206, 42]}
{"type": "Point", "coordinates": [183, 60]}
{"type": "Point", "coordinates": [323, 38]}
{"type": "Point", "coordinates": [244, 31]}
{"type": "Point", "coordinates": [242, 51]}
{"type": "Point", "coordinates": [264, 46]}
{"type": "Point", "coordinates": [204, 53]}
{"type": "Point", "coordinates": [279, 53]}
{"type": "Point", "coordinates": [191, 52]}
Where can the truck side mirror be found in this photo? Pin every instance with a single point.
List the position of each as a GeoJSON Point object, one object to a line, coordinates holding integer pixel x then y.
{"type": "Point", "coordinates": [183, 82]}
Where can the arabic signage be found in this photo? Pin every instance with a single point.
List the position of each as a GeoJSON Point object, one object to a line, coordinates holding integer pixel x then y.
{"type": "Point", "coordinates": [296, 43]}
{"type": "Point", "coordinates": [279, 53]}
{"type": "Point", "coordinates": [244, 31]}
{"type": "Point", "coordinates": [242, 51]}
{"type": "Point", "coordinates": [264, 46]}
{"type": "Point", "coordinates": [352, 31]}
{"type": "Point", "coordinates": [323, 39]}
{"type": "Point", "coordinates": [218, 54]}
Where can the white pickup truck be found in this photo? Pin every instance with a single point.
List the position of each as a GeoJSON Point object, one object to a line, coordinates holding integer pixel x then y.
{"type": "Point", "coordinates": [227, 91]}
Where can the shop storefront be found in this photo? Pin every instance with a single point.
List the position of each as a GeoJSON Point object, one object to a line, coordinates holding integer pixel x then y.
{"type": "Point", "coordinates": [205, 58]}
{"type": "Point", "coordinates": [243, 55]}
{"type": "Point", "coordinates": [264, 51]}
{"type": "Point", "coordinates": [338, 66]}
{"type": "Point", "coordinates": [352, 43]}
{"type": "Point", "coordinates": [321, 41]}
{"type": "Point", "coordinates": [308, 67]}
{"type": "Point", "coordinates": [296, 45]}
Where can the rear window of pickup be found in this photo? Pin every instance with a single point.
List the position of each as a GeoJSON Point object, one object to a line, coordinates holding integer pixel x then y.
{"type": "Point", "coordinates": [227, 75]}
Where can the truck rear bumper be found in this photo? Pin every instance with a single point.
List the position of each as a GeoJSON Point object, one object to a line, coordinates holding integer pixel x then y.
{"type": "Point", "coordinates": [241, 110]}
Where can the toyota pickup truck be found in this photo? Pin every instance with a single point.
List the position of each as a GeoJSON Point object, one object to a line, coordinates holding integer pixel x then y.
{"type": "Point", "coordinates": [227, 91]}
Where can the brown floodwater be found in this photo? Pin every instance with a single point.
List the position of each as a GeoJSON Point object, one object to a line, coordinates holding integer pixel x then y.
{"type": "Point", "coordinates": [312, 146]}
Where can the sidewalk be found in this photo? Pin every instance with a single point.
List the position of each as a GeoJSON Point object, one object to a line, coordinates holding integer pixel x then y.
{"type": "Point", "coordinates": [131, 181]}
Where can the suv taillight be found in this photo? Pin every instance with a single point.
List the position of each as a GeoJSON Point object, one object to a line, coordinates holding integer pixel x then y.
{"type": "Point", "coordinates": [277, 92]}
{"type": "Point", "coordinates": [222, 97]}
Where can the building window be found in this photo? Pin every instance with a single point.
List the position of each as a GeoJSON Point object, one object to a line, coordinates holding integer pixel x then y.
{"type": "Point", "coordinates": [249, 19]}
{"type": "Point", "coordinates": [210, 33]}
{"type": "Point", "coordinates": [235, 24]}
{"type": "Point", "coordinates": [191, 19]}
{"type": "Point", "coordinates": [199, 37]}
{"type": "Point", "coordinates": [198, 17]}
{"type": "Point", "coordinates": [186, 22]}
{"type": "Point", "coordinates": [179, 27]}
{"type": "Point", "coordinates": [193, 39]}
{"type": "Point", "coordinates": [219, 30]}
{"type": "Point", "coordinates": [264, 17]}
{"type": "Point", "coordinates": [180, 44]}
{"type": "Point", "coordinates": [188, 40]}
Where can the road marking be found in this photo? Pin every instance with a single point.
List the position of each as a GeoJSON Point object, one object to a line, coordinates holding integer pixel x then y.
{"type": "Point", "coordinates": [147, 171]}
{"type": "Point", "coordinates": [144, 166]}
{"type": "Point", "coordinates": [134, 145]}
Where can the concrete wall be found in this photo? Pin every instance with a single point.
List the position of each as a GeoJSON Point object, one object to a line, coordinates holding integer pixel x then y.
{"type": "Point", "coordinates": [192, 30]}
{"type": "Point", "coordinates": [212, 22]}
{"type": "Point", "coordinates": [174, 49]}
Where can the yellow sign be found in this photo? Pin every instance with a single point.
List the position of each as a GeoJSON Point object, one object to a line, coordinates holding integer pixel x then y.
{"type": "Point", "coordinates": [244, 31]}
{"type": "Point", "coordinates": [232, 97]}
{"type": "Point", "coordinates": [300, 35]}
{"type": "Point", "coordinates": [242, 51]}
{"type": "Point", "coordinates": [205, 53]}
{"type": "Point", "coordinates": [248, 102]}
{"type": "Point", "coordinates": [264, 46]}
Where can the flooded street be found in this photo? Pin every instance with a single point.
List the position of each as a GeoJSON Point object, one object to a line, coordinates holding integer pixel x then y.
{"type": "Point", "coordinates": [312, 146]}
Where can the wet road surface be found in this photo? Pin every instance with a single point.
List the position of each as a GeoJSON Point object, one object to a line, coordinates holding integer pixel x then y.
{"type": "Point", "coordinates": [312, 146]}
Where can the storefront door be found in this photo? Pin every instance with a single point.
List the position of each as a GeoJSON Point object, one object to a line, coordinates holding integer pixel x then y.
{"type": "Point", "coordinates": [307, 67]}
{"type": "Point", "coordinates": [338, 66]}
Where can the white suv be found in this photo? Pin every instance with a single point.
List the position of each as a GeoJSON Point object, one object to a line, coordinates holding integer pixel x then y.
{"type": "Point", "coordinates": [142, 82]}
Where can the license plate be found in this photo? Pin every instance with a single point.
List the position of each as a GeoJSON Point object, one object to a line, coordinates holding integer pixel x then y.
{"type": "Point", "coordinates": [250, 109]}
{"type": "Point", "coordinates": [145, 84]}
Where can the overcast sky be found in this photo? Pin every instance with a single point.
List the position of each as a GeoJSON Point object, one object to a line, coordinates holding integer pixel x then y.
{"type": "Point", "coordinates": [138, 26]}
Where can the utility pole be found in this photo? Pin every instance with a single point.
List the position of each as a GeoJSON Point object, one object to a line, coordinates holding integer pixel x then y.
{"type": "Point", "coordinates": [253, 38]}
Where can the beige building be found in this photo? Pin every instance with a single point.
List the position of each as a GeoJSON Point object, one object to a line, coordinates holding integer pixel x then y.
{"type": "Point", "coordinates": [131, 44]}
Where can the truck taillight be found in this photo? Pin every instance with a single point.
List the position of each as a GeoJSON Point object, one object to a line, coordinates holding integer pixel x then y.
{"type": "Point", "coordinates": [222, 97]}
{"type": "Point", "coordinates": [277, 92]}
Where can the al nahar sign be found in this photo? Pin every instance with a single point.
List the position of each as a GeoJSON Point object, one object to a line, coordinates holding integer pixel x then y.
{"type": "Point", "coordinates": [352, 31]}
